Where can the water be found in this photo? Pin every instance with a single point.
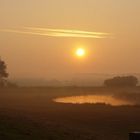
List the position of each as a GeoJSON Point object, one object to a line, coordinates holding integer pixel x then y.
{"type": "Point", "coordinates": [93, 99]}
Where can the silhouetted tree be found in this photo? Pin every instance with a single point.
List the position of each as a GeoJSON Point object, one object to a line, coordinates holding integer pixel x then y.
{"type": "Point", "coordinates": [3, 73]}
{"type": "Point", "coordinates": [124, 81]}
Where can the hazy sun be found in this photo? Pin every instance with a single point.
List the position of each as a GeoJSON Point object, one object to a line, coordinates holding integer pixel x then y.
{"type": "Point", "coordinates": [80, 52]}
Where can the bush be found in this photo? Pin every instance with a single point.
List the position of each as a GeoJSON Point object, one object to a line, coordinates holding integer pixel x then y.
{"type": "Point", "coordinates": [124, 81]}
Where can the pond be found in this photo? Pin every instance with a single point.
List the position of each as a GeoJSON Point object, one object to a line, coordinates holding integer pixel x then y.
{"type": "Point", "coordinates": [93, 99]}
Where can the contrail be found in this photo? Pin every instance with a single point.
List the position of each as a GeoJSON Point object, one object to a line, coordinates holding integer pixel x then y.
{"type": "Point", "coordinates": [25, 32]}
{"type": "Point", "coordinates": [67, 31]}
{"type": "Point", "coordinates": [59, 32]}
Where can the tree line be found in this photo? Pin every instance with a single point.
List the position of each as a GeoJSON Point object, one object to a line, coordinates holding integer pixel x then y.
{"type": "Point", "coordinates": [118, 81]}
{"type": "Point", "coordinates": [121, 81]}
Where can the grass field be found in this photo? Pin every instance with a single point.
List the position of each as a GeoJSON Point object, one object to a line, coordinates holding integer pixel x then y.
{"type": "Point", "coordinates": [30, 114]}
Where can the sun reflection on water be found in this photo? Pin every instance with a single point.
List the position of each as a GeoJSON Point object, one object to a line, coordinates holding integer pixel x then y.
{"type": "Point", "coordinates": [93, 99]}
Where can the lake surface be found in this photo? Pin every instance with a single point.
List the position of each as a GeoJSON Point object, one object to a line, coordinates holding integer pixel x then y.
{"type": "Point", "coordinates": [93, 99]}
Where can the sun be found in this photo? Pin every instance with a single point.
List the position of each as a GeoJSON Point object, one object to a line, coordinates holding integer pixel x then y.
{"type": "Point", "coordinates": [80, 52]}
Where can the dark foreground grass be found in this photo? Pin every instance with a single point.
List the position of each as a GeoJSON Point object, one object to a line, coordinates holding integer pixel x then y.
{"type": "Point", "coordinates": [30, 114]}
{"type": "Point", "coordinates": [19, 128]}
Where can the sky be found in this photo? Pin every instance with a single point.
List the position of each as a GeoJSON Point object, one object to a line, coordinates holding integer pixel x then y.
{"type": "Point", "coordinates": [38, 38]}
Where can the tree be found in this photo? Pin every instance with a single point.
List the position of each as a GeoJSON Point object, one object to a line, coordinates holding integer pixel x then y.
{"type": "Point", "coordinates": [124, 81]}
{"type": "Point", "coordinates": [3, 73]}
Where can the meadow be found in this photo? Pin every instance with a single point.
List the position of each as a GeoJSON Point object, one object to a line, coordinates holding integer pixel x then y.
{"type": "Point", "coordinates": [30, 114]}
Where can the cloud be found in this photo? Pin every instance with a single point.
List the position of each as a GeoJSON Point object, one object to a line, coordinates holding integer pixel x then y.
{"type": "Point", "coordinates": [59, 32]}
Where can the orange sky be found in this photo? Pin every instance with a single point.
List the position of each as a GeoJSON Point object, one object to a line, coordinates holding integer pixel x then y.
{"type": "Point", "coordinates": [47, 56]}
